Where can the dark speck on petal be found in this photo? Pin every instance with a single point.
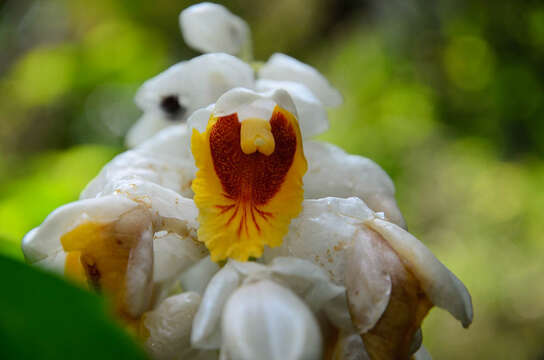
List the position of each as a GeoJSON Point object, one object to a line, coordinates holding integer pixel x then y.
{"type": "Point", "coordinates": [171, 106]}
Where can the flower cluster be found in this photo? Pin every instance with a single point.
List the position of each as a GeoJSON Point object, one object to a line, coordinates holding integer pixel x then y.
{"type": "Point", "coordinates": [223, 170]}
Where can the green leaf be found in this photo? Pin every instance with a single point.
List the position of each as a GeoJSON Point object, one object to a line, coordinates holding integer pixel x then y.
{"type": "Point", "coordinates": [44, 317]}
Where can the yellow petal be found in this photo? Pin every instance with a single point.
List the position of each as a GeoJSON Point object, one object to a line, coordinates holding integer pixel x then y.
{"type": "Point", "coordinates": [246, 200]}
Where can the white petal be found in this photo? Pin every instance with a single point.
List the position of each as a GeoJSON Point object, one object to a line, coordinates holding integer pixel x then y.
{"type": "Point", "coordinates": [147, 125]}
{"type": "Point", "coordinates": [206, 325]}
{"type": "Point", "coordinates": [312, 116]}
{"type": "Point", "coordinates": [322, 232]}
{"type": "Point", "coordinates": [264, 320]}
{"type": "Point", "coordinates": [442, 287]}
{"type": "Point", "coordinates": [196, 83]}
{"type": "Point", "coordinates": [199, 119]}
{"type": "Point", "coordinates": [178, 214]}
{"type": "Point", "coordinates": [172, 142]}
{"type": "Point", "coordinates": [367, 280]}
{"type": "Point", "coordinates": [333, 172]}
{"type": "Point", "coordinates": [211, 27]}
{"type": "Point", "coordinates": [45, 240]}
{"type": "Point", "coordinates": [54, 263]}
{"type": "Point", "coordinates": [174, 254]}
{"type": "Point", "coordinates": [285, 68]}
{"type": "Point", "coordinates": [167, 83]}
{"type": "Point", "coordinates": [173, 173]}
{"type": "Point", "coordinates": [197, 277]}
{"type": "Point", "coordinates": [250, 104]}
{"type": "Point", "coordinates": [169, 327]}
{"type": "Point", "coordinates": [308, 280]}
{"type": "Point", "coordinates": [139, 274]}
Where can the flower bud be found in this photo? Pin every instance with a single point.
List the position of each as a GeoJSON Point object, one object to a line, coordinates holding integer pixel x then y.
{"type": "Point", "coordinates": [209, 27]}
{"type": "Point", "coordinates": [263, 320]}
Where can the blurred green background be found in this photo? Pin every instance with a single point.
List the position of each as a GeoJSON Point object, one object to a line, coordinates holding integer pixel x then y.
{"type": "Point", "coordinates": [447, 96]}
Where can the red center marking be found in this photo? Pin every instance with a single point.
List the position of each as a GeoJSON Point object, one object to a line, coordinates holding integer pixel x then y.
{"type": "Point", "coordinates": [253, 178]}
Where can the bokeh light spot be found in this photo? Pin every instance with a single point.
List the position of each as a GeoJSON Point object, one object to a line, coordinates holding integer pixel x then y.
{"type": "Point", "coordinates": [469, 62]}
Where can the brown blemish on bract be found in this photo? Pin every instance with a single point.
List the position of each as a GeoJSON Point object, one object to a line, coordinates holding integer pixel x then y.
{"type": "Point", "coordinates": [250, 180]}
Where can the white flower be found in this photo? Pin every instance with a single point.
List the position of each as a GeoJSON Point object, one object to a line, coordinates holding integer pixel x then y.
{"type": "Point", "coordinates": [209, 27]}
{"type": "Point", "coordinates": [174, 94]}
{"type": "Point", "coordinates": [106, 243]}
{"type": "Point", "coordinates": [283, 294]}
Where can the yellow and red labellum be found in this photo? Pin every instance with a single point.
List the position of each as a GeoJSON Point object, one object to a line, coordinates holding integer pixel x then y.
{"type": "Point", "coordinates": [249, 183]}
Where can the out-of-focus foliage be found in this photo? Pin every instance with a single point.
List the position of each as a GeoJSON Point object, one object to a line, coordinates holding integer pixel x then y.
{"type": "Point", "coordinates": [55, 178]}
{"type": "Point", "coordinates": [447, 96]}
{"type": "Point", "coordinates": [43, 317]}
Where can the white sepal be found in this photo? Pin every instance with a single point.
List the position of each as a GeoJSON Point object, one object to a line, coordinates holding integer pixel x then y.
{"type": "Point", "coordinates": [206, 325]}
